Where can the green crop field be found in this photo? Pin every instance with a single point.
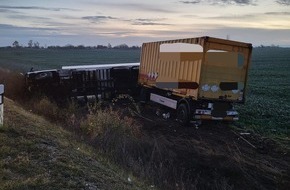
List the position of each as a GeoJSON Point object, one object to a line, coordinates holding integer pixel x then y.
{"type": "Point", "coordinates": [267, 108]}
{"type": "Point", "coordinates": [24, 59]}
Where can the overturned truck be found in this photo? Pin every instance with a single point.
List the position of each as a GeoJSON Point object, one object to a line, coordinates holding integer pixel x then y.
{"type": "Point", "coordinates": [102, 81]}
{"type": "Point", "coordinates": [197, 78]}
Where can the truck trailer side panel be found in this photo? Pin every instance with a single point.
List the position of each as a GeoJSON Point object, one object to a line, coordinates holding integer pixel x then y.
{"type": "Point", "coordinates": [177, 71]}
{"type": "Point", "coordinates": [199, 68]}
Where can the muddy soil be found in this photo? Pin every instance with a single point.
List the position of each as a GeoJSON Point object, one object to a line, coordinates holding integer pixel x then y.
{"type": "Point", "coordinates": [220, 153]}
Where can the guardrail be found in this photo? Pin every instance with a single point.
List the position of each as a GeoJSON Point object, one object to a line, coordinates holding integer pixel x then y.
{"type": "Point", "coordinates": [1, 104]}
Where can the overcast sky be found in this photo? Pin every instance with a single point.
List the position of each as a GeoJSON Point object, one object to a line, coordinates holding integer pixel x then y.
{"type": "Point", "coordinates": [93, 22]}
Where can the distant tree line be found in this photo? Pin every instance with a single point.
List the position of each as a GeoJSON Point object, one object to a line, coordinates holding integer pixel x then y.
{"type": "Point", "coordinates": [271, 46]}
{"type": "Point", "coordinates": [109, 46]}
{"type": "Point", "coordinates": [35, 45]}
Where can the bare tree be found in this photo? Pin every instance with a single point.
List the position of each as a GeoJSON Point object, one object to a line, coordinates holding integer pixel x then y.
{"type": "Point", "coordinates": [30, 43]}
{"type": "Point", "coordinates": [15, 44]}
{"type": "Point", "coordinates": [36, 45]}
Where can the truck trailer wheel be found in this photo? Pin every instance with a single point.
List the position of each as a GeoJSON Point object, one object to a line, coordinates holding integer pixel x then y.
{"type": "Point", "coordinates": [144, 95]}
{"type": "Point", "coordinates": [183, 114]}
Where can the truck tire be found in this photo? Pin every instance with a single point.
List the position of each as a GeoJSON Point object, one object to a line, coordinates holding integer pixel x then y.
{"type": "Point", "coordinates": [144, 95]}
{"type": "Point", "coordinates": [44, 76]}
{"type": "Point", "coordinates": [183, 114]}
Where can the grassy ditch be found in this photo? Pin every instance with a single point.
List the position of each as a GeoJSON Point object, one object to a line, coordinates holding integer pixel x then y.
{"type": "Point", "coordinates": [114, 133]}
{"type": "Point", "coordinates": [168, 162]}
{"type": "Point", "coordinates": [37, 154]}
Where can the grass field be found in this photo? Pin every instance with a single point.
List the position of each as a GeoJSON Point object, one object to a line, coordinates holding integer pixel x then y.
{"type": "Point", "coordinates": [267, 108]}
{"type": "Point", "coordinates": [23, 59]}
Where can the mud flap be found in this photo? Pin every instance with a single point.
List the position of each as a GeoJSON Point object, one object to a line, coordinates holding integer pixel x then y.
{"type": "Point", "coordinates": [220, 109]}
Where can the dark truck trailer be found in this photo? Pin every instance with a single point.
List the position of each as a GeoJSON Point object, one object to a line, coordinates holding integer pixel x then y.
{"type": "Point", "coordinates": [103, 81]}
{"type": "Point", "coordinates": [200, 78]}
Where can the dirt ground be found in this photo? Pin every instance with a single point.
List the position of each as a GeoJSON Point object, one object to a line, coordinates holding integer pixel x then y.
{"type": "Point", "coordinates": [221, 152]}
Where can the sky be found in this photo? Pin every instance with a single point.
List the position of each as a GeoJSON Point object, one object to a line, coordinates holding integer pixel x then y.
{"type": "Point", "coordinates": [99, 22]}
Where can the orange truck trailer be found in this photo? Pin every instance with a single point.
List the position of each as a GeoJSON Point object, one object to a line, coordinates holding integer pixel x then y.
{"type": "Point", "coordinates": [200, 78]}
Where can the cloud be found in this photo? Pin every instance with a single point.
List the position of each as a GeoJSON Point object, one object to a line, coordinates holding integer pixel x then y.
{"type": "Point", "coordinates": [190, 2]}
{"type": "Point", "coordinates": [19, 28]}
{"type": "Point", "coordinates": [148, 22]}
{"type": "Point", "coordinates": [7, 11]}
{"type": "Point", "coordinates": [222, 2]}
{"type": "Point", "coordinates": [34, 8]}
{"type": "Point", "coordinates": [240, 16]}
{"type": "Point", "coordinates": [10, 31]}
{"type": "Point", "coordinates": [149, 8]}
{"type": "Point", "coordinates": [277, 13]}
{"type": "Point", "coordinates": [256, 36]}
{"type": "Point", "coordinates": [140, 21]}
{"type": "Point", "coordinates": [57, 24]}
{"type": "Point", "coordinates": [27, 17]}
{"type": "Point", "coordinates": [140, 7]}
{"type": "Point", "coordinates": [233, 17]}
{"type": "Point", "coordinates": [117, 33]}
{"type": "Point", "coordinates": [238, 2]}
{"type": "Point", "coordinates": [283, 2]}
{"type": "Point", "coordinates": [99, 19]}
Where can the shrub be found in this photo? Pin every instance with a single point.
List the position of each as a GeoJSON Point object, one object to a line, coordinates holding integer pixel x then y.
{"type": "Point", "coordinates": [14, 84]}
{"type": "Point", "coordinates": [47, 108]}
